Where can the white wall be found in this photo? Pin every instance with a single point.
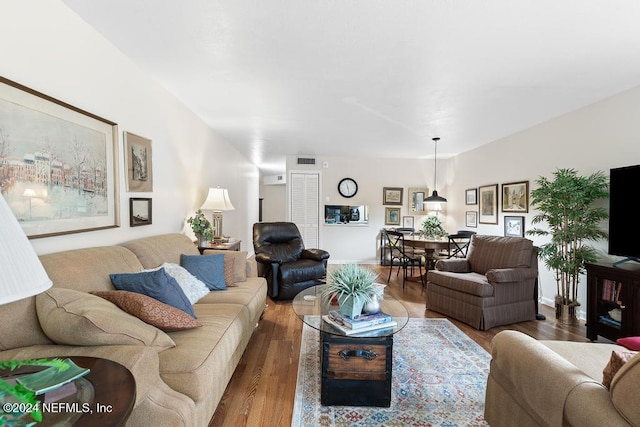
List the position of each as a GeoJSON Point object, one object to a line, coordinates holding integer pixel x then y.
{"type": "Point", "coordinates": [596, 138]}
{"type": "Point", "coordinates": [274, 203]}
{"type": "Point", "coordinates": [358, 243]}
{"type": "Point", "coordinates": [45, 46]}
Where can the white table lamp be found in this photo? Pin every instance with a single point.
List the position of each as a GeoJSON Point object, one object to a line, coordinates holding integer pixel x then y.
{"type": "Point", "coordinates": [21, 273]}
{"type": "Point", "coordinates": [217, 201]}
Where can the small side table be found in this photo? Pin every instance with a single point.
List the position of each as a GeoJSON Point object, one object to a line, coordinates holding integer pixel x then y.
{"type": "Point", "coordinates": [231, 245]}
{"type": "Point", "coordinates": [104, 397]}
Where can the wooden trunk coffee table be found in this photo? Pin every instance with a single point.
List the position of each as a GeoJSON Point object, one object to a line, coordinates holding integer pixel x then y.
{"type": "Point", "coordinates": [356, 371]}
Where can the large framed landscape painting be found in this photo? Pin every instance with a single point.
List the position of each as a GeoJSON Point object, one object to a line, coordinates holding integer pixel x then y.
{"type": "Point", "coordinates": [58, 164]}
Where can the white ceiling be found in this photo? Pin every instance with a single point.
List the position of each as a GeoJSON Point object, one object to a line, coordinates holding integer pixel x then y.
{"type": "Point", "coordinates": [375, 77]}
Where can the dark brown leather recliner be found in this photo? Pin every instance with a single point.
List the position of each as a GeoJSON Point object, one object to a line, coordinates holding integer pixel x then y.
{"type": "Point", "coordinates": [283, 260]}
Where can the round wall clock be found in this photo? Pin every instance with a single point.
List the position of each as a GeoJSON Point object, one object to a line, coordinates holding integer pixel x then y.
{"type": "Point", "coordinates": [347, 187]}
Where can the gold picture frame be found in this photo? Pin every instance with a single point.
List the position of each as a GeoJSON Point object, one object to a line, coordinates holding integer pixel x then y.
{"type": "Point", "coordinates": [392, 216]}
{"type": "Point", "coordinates": [416, 197]}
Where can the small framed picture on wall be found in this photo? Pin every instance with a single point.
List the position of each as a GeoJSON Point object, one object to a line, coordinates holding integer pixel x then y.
{"type": "Point", "coordinates": [471, 219]}
{"type": "Point", "coordinates": [471, 196]}
{"type": "Point", "coordinates": [392, 196]}
{"type": "Point", "coordinates": [488, 196]}
{"type": "Point", "coordinates": [140, 212]}
{"type": "Point", "coordinates": [392, 216]}
{"type": "Point", "coordinates": [514, 226]}
{"type": "Point", "coordinates": [515, 197]}
{"type": "Point", "coordinates": [407, 221]}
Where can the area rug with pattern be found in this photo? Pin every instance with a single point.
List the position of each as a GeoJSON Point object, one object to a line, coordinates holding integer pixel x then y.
{"type": "Point", "coordinates": [439, 379]}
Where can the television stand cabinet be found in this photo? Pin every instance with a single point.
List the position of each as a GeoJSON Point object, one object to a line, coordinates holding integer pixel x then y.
{"type": "Point", "coordinates": [613, 300]}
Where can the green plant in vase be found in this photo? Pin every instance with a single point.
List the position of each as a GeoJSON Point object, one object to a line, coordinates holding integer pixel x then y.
{"type": "Point", "coordinates": [353, 286]}
{"type": "Point", "coordinates": [432, 228]}
{"type": "Point", "coordinates": [201, 228]}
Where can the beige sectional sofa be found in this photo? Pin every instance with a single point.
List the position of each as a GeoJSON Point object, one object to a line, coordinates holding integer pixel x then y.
{"type": "Point", "coordinates": [176, 385]}
{"type": "Point", "coordinates": [559, 383]}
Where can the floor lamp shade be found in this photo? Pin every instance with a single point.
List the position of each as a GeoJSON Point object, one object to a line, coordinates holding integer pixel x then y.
{"type": "Point", "coordinates": [21, 273]}
{"type": "Point", "coordinates": [217, 201]}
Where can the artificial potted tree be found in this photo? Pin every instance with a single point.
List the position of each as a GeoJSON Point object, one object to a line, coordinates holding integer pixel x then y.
{"type": "Point", "coordinates": [201, 228]}
{"type": "Point", "coordinates": [567, 204]}
{"type": "Point", "coordinates": [353, 286]}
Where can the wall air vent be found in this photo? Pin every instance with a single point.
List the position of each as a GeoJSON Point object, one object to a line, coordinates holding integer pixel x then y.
{"type": "Point", "coordinates": [306, 161]}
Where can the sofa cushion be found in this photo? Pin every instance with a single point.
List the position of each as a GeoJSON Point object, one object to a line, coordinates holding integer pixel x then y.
{"type": "Point", "coordinates": [157, 284]}
{"type": "Point", "coordinates": [150, 310]}
{"type": "Point", "coordinates": [73, 317]}
{"type": "Point", "coordinates": [202, 356]}
{"type": "Point", "coordinates": [488, 252]}
{"type": "Point", "coordinates": [239, 264]}
{"type": "Point", "coordinates": [250, 293]}
{"type": "Point", "coordinates": [193, 288]}
{"type": "Point", "coordinates": [156, 250]}
{"type": "Point", "coordinates": [208, 268]}
{"type": "Point", "coordinates": [624, 390]}
{"type": "Point", "coordinates": [229, 271]}
{"type": "Point", "coordinates": [23, 313]}
{"type": "Point", "coordinates": [468, 283]}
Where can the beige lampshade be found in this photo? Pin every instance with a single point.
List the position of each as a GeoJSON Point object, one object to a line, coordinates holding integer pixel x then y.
{"type": "Point", "coordinates": [21, 273]}
{"type": "Point", "coordinates": [217, 200]}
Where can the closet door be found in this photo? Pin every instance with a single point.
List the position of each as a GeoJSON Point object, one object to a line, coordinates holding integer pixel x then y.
{"type": "Point", "coordinates": [304, 202]}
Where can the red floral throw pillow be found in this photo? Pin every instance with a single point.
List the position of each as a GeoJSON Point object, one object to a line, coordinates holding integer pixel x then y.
{"type": "Point", "coordinates": [617, 361]}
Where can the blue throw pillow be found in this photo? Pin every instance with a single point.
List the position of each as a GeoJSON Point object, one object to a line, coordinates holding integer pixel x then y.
{"type": "Point", "coordinates": [208, 268]}
{"type": "Point", "coordinates": [155, 284]}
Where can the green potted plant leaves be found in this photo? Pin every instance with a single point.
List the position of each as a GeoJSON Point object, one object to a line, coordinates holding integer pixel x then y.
{"type": "Point", "coordinates": [432, 228]}
{"type": "Point", "coordinates": [19, 394]}
{"type": "Point", "coordinates": [201, 227]}
{"type": "Point", "coordinates": [567, 204]}
{"type": "Point", "coordinates": [353, 286]}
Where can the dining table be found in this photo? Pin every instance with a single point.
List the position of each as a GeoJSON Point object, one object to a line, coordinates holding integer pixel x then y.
{"type": "Point", "coordinates": [430, 246]}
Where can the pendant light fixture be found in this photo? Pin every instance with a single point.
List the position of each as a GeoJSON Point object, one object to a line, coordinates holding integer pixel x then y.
{"type": "Point", "coordinates": [434, 198]}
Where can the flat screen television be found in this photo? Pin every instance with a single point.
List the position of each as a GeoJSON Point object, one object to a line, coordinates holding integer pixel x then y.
{"type": "Point", "coordinates": [624, 233]}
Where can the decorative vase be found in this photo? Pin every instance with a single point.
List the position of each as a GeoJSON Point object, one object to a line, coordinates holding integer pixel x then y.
{"type": "Point", "coordinates": [567, 314]}
{"type": "Point", "coordinates": [202, 241]}
{"type": "Point", "coordinates": [372, 307]}
{"type": "Point", "coordinates": [351, 306]}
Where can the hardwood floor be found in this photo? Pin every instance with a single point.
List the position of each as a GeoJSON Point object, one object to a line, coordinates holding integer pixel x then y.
{"type": "Point", "coordinates": [262, 389]}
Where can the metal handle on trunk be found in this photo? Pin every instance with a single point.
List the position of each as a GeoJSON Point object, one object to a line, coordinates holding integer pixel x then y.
{"type": "Point", "coordinates": [366, 354]}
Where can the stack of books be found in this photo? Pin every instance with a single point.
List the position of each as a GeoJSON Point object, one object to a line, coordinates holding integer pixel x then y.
{"type": "Point", "coordinates": [362, 325]}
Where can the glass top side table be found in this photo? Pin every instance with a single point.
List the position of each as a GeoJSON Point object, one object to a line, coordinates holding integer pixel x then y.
{"type": "Point", "coordinates": [310, 306]}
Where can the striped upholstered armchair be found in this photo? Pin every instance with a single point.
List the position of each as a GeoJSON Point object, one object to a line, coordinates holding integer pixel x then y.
{"type": "Point", "coordinates": [494, 285]}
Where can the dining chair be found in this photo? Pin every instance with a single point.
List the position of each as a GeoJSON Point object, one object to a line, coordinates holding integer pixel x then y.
{"type": "Point", "coordinates": [458, 244]}
{"type": "Point", "coordinates": [403, 257]}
